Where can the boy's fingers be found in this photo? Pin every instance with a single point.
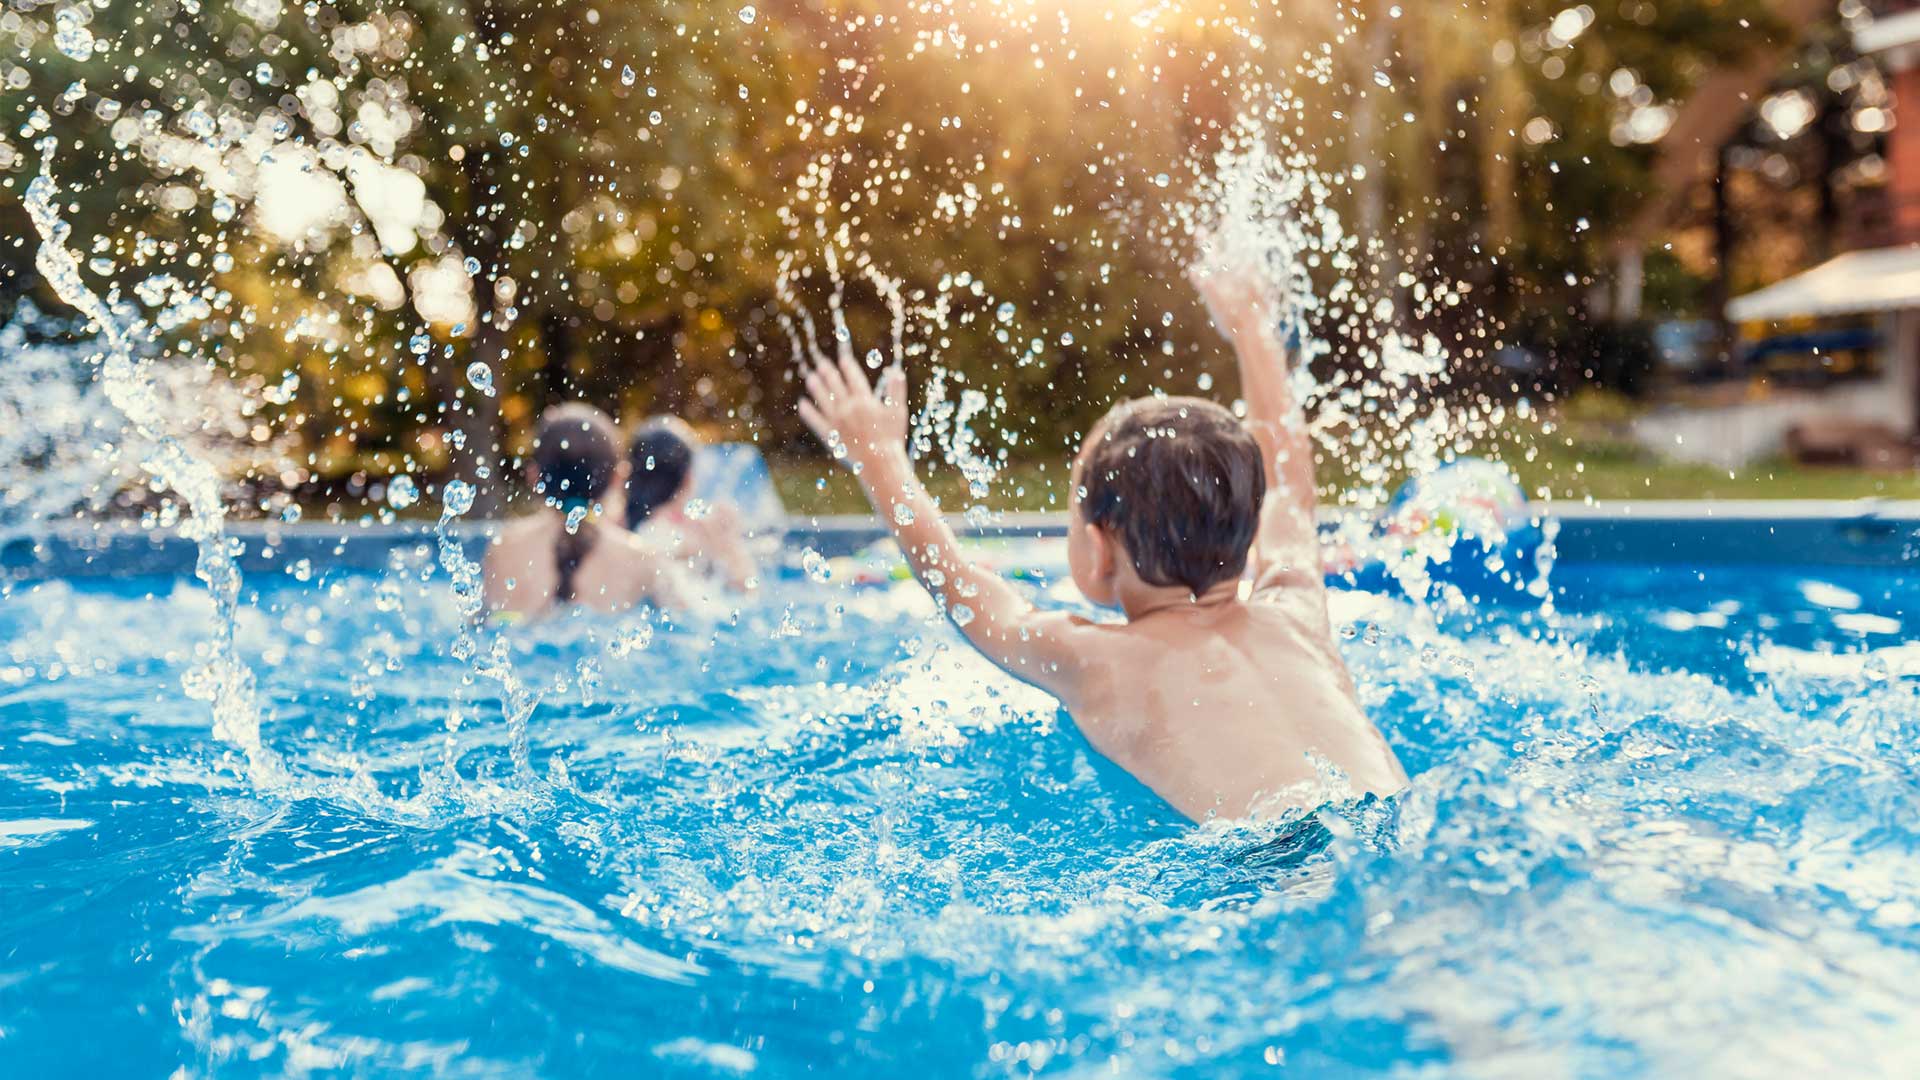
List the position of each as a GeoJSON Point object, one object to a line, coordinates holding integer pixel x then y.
{"type": "Point", "coordinates": [893, 385]}
{"type": "Point", "coordinates": [850, 371]}
{"type": "Point", "coordinates": [816, 423]}
{"type": "Point", "coordinates": [829, 375]}
{"type": "Point", "coordinates": [817, 387]}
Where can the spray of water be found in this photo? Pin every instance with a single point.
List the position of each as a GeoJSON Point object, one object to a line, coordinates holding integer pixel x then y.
{"type": "Point", "coordinates": [1383, 413]}
{"type": "Point", "coordinates": [223, 679]}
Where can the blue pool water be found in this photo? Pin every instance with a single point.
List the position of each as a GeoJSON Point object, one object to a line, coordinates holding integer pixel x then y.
{"type": "Point", "coordinates": [1668, 828]}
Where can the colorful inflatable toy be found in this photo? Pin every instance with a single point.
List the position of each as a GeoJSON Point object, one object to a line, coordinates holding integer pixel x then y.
{"type": "Point", "coordinates": [1465, 524]}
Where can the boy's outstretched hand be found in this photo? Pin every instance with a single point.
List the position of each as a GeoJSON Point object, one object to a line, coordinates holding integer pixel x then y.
{"type": "Point", "coordinates": [858, 422]}
{"type": "Point", "coordinates": [865, 427]}
{"type": "Point", "coordinates": [1239, 295]}
{"type": "Point", "coordinates": [1234, 296]}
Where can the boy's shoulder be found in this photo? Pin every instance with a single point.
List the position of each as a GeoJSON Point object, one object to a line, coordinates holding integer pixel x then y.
{"type": "Point", "coordinates": [1268, 618]}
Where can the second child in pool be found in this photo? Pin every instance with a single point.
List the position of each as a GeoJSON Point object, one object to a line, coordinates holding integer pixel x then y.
{"type": "Point", "coordinates": [659, 498]}
{"type": "Point", "coordinates": [1225, 703]}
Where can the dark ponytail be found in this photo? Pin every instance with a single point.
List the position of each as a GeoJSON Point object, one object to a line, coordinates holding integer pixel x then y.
{"type": "Point", "coordinates": [658, 459]}
{"type": "Point", "coordinates": [576, 453]}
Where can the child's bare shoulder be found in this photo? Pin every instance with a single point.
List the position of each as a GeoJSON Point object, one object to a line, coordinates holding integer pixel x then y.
{"type": "Point", "coordinates": [514, 542]}
{"type": "Point", "coordinates": [518, 530]}
{"type": "Point", "coordinates": [634, 548]}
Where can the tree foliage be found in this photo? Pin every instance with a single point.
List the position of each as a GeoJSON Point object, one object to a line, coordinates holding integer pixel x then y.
{"type": "Point", "coordinates": [596, 200]}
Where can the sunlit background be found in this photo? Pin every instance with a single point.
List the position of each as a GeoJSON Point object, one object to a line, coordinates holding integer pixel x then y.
{"type": "Point", "coordinates": [346, 206]}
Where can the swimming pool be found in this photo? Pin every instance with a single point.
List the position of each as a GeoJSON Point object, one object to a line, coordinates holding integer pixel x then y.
{"type": "Point", "coordinates": [1666, 828]}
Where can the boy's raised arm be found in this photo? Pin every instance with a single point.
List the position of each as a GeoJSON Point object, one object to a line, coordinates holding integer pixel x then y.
{"type": "Point", "coordinates": [1287, 547]}
{"type": "Point", "coordinates": [871, 427]}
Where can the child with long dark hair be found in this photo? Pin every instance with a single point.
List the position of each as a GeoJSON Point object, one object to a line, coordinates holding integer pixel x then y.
{"type": "Point", "coordinates": [708, 539]}
{"type": "Point", "coordinates": [562, 554]}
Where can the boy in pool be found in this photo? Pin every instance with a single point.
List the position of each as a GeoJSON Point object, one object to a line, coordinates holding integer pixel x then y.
{"type": "Point", "coordinates": [1227, 702]}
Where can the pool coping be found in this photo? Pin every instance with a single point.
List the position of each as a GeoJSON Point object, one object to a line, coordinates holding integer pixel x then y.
{"type": "Point", "coordinates": [1871, 533]}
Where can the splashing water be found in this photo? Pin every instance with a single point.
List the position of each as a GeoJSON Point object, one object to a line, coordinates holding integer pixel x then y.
{"type": "Point", "coordinates": [480, 377]}
{"type": "Point", "coordinates": [812, 833]}
{"type": "Point", "coordinates": [223, 679]}
{"type": "Point", "coordinates": [824, 853]}
{"type": "Point", "coordinates": [50, 428]}
{"type": "Point", "coordinates": [1266, 202]}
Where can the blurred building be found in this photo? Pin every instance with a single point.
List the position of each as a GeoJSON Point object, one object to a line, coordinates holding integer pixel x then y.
{"type": "Point", "coordinates": [1894, 37]}
{"type": "Point", "coordinates": [1872, 420]}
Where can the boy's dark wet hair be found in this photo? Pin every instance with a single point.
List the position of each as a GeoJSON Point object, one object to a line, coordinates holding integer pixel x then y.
{"type": "Point", "coordinates": [659, 460]}
{"type": "Point", "coordinates": [1179, 482]}
{"type": "Point", "coordinates": [576, 453]}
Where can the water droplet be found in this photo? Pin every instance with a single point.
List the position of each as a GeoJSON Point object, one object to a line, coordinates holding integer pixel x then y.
{"type": "Point", "coordinates": [401, 492]}
{"type": "Point", "coordinates": [789, 626]}
{"type": "Point", "coordinates": [1005, 312]}
{"type": "Point", "coordinates": [481, 376]}
{"type": "Point", "coordinates": [631, 641]}
{"type": "Point", "coordinates": [72, 38]}
{"type": "Point", "coordinates": [1205, 381]}
{"type": "Point", "coordinates": [457, 497]}
{"type": "Point", "coordinates": [816, 565]}
{"type": "Point", "coordinates": [902, 514]}
{"type": "Point", "coordinates": [962, 614]}
{"type": "Point", "coordinates": [748, 14]}
{"type": "Point", "coordinates": [627, 76]}
{"type": "Point", "coordinates": [386, 595]}
{"type": "Point", "coordinates": [1380, 78]}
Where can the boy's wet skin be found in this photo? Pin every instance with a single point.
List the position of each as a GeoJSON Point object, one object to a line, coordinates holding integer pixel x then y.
{"type": "Point", "coordinates": [1222, 690]}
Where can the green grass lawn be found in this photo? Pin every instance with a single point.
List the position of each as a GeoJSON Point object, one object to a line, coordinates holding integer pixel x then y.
{"type": "Point", "coordinates": [1569, 469]}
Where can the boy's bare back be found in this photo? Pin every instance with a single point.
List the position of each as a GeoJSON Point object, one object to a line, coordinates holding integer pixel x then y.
{"type": "Point", "coordinates": [1228, 708]}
